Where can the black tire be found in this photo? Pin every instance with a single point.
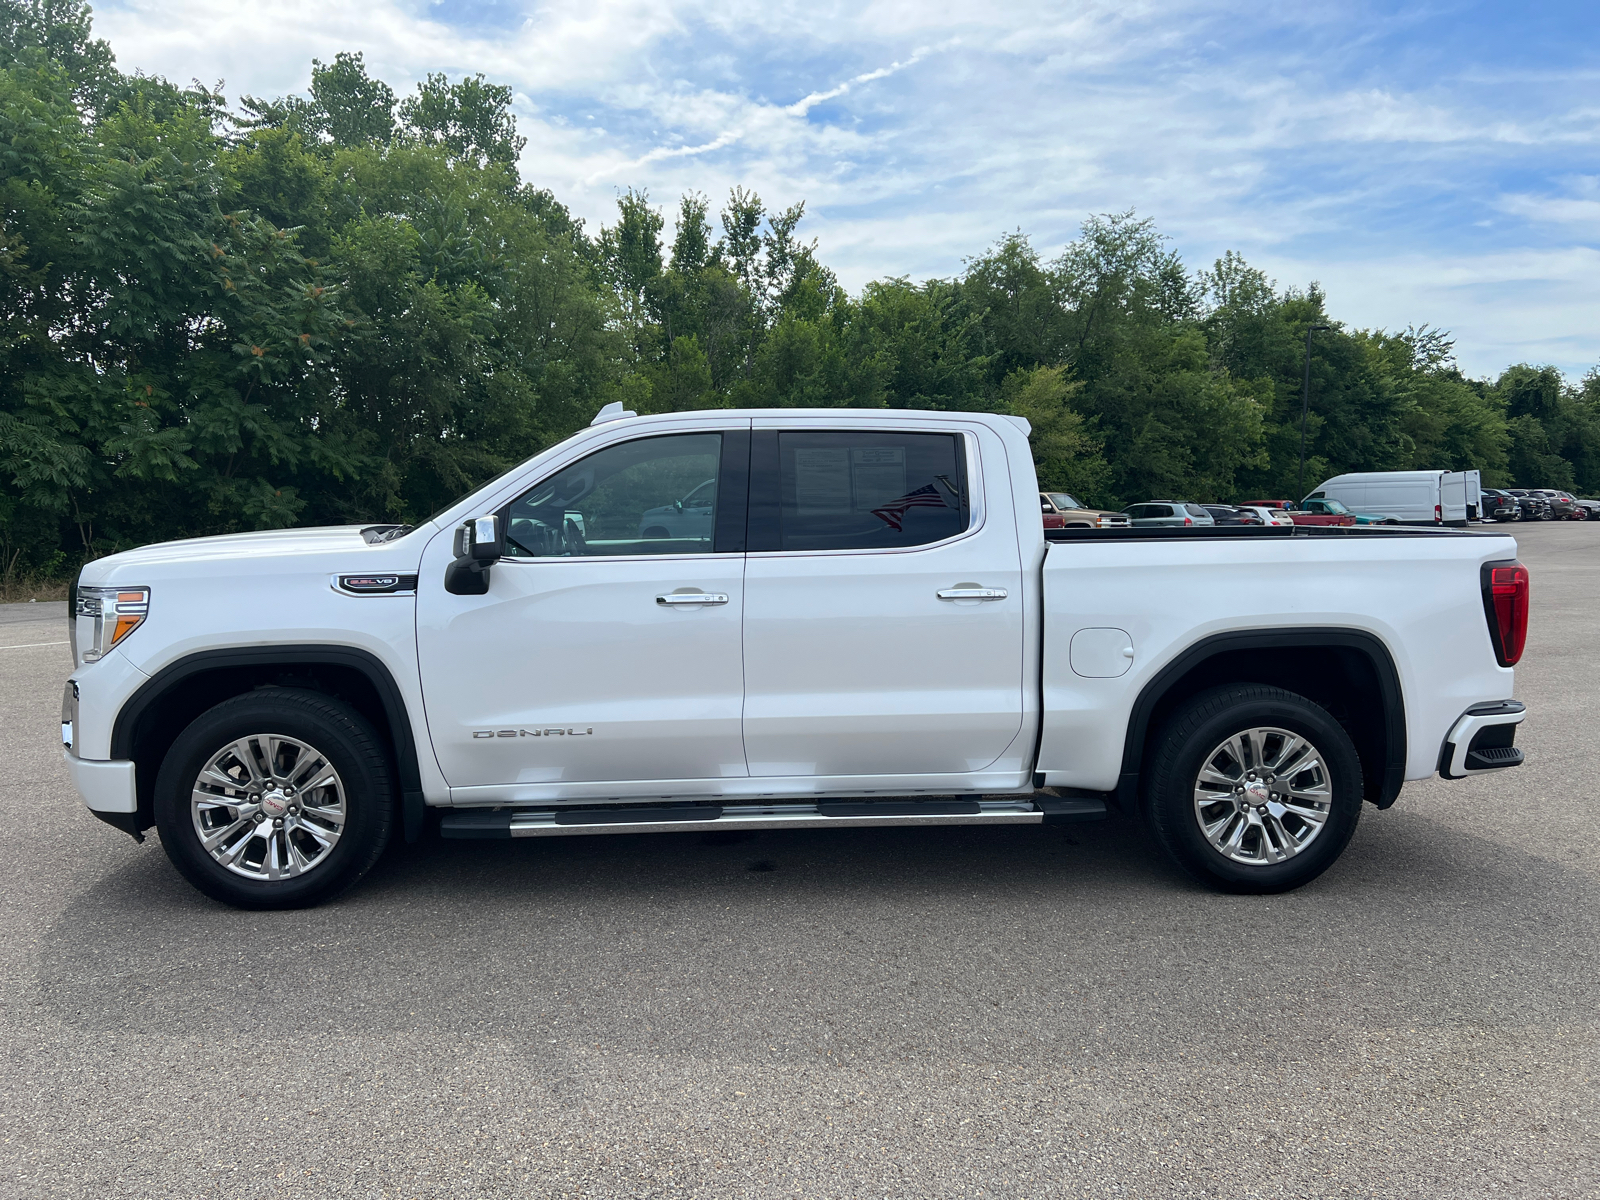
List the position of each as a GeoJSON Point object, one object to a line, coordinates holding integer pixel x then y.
{"type": "Point", "coordinates": [338, 733]}
{"type": "Point", "coordinates": [1203, 724]}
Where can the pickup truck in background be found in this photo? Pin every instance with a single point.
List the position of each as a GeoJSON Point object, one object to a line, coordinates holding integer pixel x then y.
{"type": "Point", "coordinates": [868, 629]}
{"type": "Point", "coordinates": [1062, 511]}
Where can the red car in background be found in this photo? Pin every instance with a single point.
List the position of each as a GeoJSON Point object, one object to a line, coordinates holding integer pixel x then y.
{"type": "Point", "coordinates": [1301, 517]}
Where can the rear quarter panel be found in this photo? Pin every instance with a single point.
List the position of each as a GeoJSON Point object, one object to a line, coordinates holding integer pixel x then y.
{"type": "Point", "coordinates": [1418, 594]}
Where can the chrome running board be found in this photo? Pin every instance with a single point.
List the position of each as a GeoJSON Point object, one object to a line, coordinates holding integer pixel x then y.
{"type": "Point", "coordinates": [825, 814]}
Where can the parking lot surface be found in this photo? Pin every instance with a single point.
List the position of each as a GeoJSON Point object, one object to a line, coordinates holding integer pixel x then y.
{"type": "Point", "coordinates": [919, 1012]}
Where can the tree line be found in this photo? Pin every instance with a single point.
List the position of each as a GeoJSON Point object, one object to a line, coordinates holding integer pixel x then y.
{"type": "Point", "coordinates": [348, 306]}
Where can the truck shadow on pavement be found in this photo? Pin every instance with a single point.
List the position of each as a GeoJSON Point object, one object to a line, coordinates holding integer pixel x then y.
{"type": "Point", "coordinates": [673, 942]}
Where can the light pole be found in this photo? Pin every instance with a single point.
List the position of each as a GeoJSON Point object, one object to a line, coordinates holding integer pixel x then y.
{"type": "Point", "coordinates": [1305, 407]}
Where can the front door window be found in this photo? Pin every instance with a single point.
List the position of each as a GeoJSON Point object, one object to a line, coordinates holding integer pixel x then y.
{"type": "Point", "coordinates": [651, 496]}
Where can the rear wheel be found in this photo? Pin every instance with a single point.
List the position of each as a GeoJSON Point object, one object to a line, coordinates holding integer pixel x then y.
{"type": "Point", "coordinates": [1254, 789]}
{"type": "Point", "coordinates": [275, 799]}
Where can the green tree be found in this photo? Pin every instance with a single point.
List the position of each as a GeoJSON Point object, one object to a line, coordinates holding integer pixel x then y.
{"type": "Point", "coordinates": [469, 119]}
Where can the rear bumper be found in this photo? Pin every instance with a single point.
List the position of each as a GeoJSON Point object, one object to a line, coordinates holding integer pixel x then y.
{"type": "Point", "coordinates": [106, 787]}
{"type": "Point", "coordinates": [1482, 740]}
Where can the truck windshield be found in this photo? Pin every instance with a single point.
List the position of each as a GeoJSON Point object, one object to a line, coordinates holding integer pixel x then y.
{"type": "Point", "coordinates": [1062, 500]}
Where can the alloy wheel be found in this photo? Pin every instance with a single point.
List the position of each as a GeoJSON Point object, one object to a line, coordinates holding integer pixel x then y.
{"type": "Point", "coordinates": [1262, 796]}
{"type": "Point", "coordinates": [268, 807]}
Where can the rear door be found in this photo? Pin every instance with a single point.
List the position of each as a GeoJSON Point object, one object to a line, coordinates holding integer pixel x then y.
{"type": "Point", "coordinates": [1453, 497]}
{"type": "Point", "coordinates": [883, 627]}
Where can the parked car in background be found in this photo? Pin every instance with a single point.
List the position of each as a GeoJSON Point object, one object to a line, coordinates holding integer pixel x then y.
{"type": "Point", "coordinates": [1168, 512]}
{"type": "Point", "coordinates": [1532, 504]}
{"type": "Point", "coordinates": [1300, 516]}
{"type": "Point", "coordinates": [1562, 504]}
{"type": "Point", "coordinates": [1232, 514]}
{"type": "Point", "coordinates": [688, 518]}
{"type": "Point", "coordinates": [1497, 505]}
{"type": "Point", "coordinates": [1061, 511]}
{"type": "Point", "coordinates": [1590, 510]}
{"type": "Point", "coordinates": [1271, 516]}
{"type": "Point", "coordinates": [1335, 508]}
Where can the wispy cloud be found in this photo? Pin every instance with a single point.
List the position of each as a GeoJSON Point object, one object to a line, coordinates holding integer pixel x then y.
{"type": "Point", "coordinates": [804, 105]}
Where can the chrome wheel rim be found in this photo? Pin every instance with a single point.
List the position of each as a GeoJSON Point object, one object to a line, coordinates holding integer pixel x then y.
{"type": "Point", "coordinates": [268, 807]}
{"type": "Point", "coordinates": [1263, 796]}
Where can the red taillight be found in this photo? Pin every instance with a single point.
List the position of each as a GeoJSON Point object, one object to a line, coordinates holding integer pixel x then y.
{"type": "Point", "coordinates": [1505, 603]}
{"type": "Point", "coordinates": [1188, 521]}
{"type": "Point", "coordinates": [1438, 513]}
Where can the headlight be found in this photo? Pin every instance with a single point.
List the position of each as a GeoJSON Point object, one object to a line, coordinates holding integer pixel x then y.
{"type": "Point", "coordinates": [107, 615]}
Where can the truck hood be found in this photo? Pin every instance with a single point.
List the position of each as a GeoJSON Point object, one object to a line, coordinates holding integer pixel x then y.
{"type": "Point", "coordinates": [342, 541]}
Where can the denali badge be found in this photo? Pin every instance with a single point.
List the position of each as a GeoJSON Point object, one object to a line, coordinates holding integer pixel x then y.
{"type": "Point", "coordinates": [569, 731]}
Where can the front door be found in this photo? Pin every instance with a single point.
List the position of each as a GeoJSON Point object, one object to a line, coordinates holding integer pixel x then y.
{"type": "Point", "coordinates": [884, 628]}
{"type": "Point", "coordinates": [608, 645]}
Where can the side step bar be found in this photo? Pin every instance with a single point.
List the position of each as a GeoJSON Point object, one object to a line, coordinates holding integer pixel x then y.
{"type": "Point", "coordinates": [832, 814]}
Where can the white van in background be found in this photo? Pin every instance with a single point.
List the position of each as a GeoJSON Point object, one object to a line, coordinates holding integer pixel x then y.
{"type": "Point", "coordinates": [1410, 497]}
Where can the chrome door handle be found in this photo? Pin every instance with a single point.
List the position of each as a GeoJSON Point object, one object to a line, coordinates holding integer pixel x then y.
{"type": "Point", "coordinates": [972, 594]}
{"type": "Point", "coordinates": [677, 598]}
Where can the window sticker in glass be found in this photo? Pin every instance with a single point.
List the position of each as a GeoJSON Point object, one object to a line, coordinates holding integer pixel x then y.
{"type": "Point", "coordinates": [870, 490]}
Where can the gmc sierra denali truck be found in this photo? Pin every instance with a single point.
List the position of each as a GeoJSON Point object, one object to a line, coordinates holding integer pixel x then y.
{"type": "Point", "coordinates": [778, 620]}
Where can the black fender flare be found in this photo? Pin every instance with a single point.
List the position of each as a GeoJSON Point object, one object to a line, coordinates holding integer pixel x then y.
{"type": "Point", "coordinates": [369, 665]}
{"type": "Point", "coordinates": [1291, 638]}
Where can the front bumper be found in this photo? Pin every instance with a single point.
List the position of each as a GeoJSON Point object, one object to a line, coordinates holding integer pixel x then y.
{"type": "Point", "coordinates": [1481, 741]}
{"type": "Point", "coordinates": [106, 787]}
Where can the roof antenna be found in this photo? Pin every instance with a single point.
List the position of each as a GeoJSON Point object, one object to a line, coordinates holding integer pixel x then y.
{"type": "Point", "coordinates": [612, 412]}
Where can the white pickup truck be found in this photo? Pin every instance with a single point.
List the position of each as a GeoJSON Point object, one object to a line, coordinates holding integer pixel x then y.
{"type": "Point", "coordinates": [868, 627]}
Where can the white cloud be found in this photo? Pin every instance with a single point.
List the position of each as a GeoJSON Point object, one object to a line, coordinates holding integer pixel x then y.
{"type": "Point", "coordinates": [1502, 308]}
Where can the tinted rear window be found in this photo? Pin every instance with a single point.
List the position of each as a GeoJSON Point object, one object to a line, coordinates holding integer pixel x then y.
{"type": "Point", "coordinates": [866, 490]}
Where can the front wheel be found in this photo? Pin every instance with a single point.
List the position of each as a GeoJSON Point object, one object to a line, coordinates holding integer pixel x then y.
{"type": "Point", "coordinates": [275, 799]}
{"type": "Point", "coordinates": [1254, 789]}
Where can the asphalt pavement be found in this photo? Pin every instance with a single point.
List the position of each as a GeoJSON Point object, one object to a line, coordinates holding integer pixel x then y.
{"type": "Point", "coordinates": [885, 1013]}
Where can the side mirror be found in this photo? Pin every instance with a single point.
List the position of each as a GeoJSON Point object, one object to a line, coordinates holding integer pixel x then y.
{"type": "Point", "coordinates": [479, 544]}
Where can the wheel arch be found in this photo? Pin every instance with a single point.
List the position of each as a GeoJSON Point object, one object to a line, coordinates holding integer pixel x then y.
{"type": "Point", "coordinates": [163, 706]}
{"type": "Point", "coordinates": [1346, 671]}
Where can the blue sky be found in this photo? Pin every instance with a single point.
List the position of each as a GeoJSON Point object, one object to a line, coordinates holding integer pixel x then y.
{"type": "Point", "coordinates": [1427, 163]}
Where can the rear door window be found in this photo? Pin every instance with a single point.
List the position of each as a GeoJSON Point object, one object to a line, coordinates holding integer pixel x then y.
{"type": "Point", "coordinates": [856, 490]}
